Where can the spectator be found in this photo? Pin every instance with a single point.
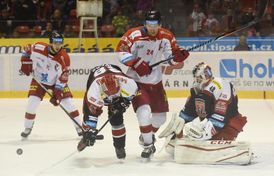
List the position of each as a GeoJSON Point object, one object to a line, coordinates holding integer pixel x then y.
{"type": "Point", "coordinates": [25, 12]}
{"type": "Point", "coordinates": [120, 22]}
{"type": "Point", "coordinates": [48, 31]}
{"type": "Point", "coordinates": [136, 19]}
{"type": "Point", "coordinates": [43, 10]}
{"type": "Point", "coordinates": [5, 23]}
{"type": "Point", "coordinates": [57, 21]}
{"type": "Point", "coordinates": [247, 16]}
{"type": "Point", "coordinates": [68, 33]}
{"type": "Point", "coordinates": [212, 26]}
{"type": "Point", "coordinates": [144, 5]}
{"type": "Point", "coordinates": [197, 18]}
{"type": "Point", "coordinates": [242, 46]}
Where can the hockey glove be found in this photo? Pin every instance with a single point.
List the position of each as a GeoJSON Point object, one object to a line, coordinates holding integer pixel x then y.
{"type": "Point", "coordinates": [57, 96]}
{"type": "Point", "coordinates": [119, 105]}
{"type": "Point", "coordinates": [89, 138]}
{"type": "Point", "coordinates": [180, 55]}
{"type": "Point", "coordinates": [199, 129]}
{"type": "Point", "coordinates": [141, 67]}
{"type": "Point", "coordinates": [26, 66]}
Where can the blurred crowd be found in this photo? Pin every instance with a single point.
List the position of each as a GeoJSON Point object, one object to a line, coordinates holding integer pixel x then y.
{"type": "Point", "coordinates": [185, 18]}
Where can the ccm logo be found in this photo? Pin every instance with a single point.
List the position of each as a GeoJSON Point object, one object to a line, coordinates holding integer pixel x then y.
{"type": "Point", "coordinates": [220, 142]}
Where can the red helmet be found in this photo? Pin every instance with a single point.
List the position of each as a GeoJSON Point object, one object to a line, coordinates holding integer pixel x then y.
{"type": "Point", "coordinates": [110, 85]}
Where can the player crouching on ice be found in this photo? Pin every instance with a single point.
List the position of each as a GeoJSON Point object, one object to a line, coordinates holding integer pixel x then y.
{"type": "Point", "coordinates": [107, 85]}
{"type": "Point", "coordinates": [206, 128]}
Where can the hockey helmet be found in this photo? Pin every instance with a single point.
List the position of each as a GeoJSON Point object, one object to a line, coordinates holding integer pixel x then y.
{"type": "Point", "coordinates": [153, 17]}
{"type": "Point", "coordinates": [110, 84]}
{"type": "Point", "coordinates": [56, 37]}
{"type": "Point", "coordinates": [202, 75]}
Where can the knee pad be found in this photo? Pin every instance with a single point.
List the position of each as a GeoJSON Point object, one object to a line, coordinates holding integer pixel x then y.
{"type": "Point", "coordinates": [158, 119]}
{"type": "Point", "coordinates": [68, 104]}
{"type": "Point", "coordinates": [144, 115]}
{"type": "Point", "coordinates": [33, 104]}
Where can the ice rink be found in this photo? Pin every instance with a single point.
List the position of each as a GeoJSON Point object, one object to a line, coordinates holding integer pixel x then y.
{"type": "Point", "coordinates": [51, 148]}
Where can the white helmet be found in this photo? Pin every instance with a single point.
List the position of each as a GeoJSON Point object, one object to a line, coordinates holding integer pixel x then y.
{"type": "Point", "coordinates": [202, 75]}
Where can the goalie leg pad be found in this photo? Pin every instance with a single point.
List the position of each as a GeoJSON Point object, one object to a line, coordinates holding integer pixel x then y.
{"type": "Point", "coordinates": [212, 152]}
{"type": "Point", "coordinates": [176, 125]}
{"type": "Point", "coordinates": [170, 146]}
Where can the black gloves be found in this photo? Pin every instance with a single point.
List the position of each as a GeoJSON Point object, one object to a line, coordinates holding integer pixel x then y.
{"type": "Point", "coordinates": [119, 105]}
{"type": "Point", "coordinates": [89, 138]}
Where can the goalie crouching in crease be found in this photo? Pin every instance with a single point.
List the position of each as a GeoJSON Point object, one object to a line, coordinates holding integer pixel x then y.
{"type": "Point", "coordinates": [107, 85]}
{"type": "Point", "coordinates": [207, 127]}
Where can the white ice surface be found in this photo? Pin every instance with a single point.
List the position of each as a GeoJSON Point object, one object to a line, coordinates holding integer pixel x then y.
{"type": "Point", "coordinates": [51, 148]}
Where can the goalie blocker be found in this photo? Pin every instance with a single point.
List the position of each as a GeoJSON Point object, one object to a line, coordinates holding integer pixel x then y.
{"type": "Point", "coordinates": [210, 152]}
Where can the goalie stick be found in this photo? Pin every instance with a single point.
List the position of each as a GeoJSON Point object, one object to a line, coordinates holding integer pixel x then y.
{"type": "Point", "coordinates": [263, 4]}
{"type": "Point", "coordinates": [99, 137]}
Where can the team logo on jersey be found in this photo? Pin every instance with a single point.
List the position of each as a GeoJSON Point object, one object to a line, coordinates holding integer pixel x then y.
{"type": "Point", "coordinates": [44, 77]}
{"type": "Point", "coordinates": [221, 107]}
{"type": "Point", "coordinates": [200, 107]}
{"type": "Point", "coordinates": [228, 68]}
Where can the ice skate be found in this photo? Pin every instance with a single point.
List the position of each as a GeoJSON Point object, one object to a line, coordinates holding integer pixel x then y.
{"type": "Point", "coordinates": [81, 145]}
{"type": "Point", "coordinates": [120, 153]}
{"type": "Point", "coordinates": [148, 152]}
{"type": "Point", "coordinates": [141, 140]}
{"type": "Point", "coordinates": [26, 132]}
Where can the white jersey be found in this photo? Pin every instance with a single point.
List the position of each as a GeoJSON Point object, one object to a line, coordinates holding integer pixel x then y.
{"type": "Point", "coordinates": [95, 94]}
{"type": "Point", "coordinates": [48, 68]}
{"type": "Point", "coordinates": [220, 89]}
{"type": "Point", "coordinates": [151, 50]}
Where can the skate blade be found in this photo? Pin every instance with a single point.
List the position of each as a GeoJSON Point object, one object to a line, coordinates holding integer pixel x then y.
{"type": "Point", "coordinates": [145, 160]}
{"type": "Point", "coordinates": [24, 138]}
{"type": "Point", "coordinates": [121, 160]}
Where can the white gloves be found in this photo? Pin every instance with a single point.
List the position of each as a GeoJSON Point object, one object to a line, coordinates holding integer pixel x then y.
{"type": "Point", "coordinates": [199, 130]}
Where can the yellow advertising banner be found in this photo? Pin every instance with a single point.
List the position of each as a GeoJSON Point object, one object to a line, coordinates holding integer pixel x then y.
{"type": "Point", "coordinates": [88, 45]}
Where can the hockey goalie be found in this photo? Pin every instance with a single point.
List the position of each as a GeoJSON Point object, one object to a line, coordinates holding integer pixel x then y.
{"type": "Point", "coordinates": [206, 129]}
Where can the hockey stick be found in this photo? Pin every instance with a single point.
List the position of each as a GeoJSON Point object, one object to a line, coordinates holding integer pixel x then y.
{"type": "Point", "coordinates": [62, 107]}
{"type": "Point", "coordinates": [260, 14]}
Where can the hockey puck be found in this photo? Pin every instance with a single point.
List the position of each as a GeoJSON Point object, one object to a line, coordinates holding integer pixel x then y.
{"type": "Point", "coordinates": [19, 151]}
{"type": "Point", "coordinates": [100, 137]}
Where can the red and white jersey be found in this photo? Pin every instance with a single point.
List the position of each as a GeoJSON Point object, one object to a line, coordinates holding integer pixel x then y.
{"type": "Point", "coordinates": [48, 68]}
{"type": "Point", "coordinates": [95, 93]}
{"type": "Point", "coordinates": [151, 49]}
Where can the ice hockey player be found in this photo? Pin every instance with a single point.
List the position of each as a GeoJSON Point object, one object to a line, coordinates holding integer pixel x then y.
{"type": "Point", "coordinates": [210, 112]}
{"type": "Point", "coordinates": [49, 64]}
{"type": "Point", "coordinates": [107, 86]}
{"type": "Point", "coordinates": [148, 44]}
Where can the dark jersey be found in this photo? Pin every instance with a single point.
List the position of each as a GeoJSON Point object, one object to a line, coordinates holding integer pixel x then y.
{"type": "Point", "coordinates": [218, 102]}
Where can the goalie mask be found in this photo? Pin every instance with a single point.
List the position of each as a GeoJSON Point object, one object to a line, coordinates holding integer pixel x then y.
{"type": "Point", "coordinates": [202, 75]}
{"type": "Point", "coordinates": [110, 85]}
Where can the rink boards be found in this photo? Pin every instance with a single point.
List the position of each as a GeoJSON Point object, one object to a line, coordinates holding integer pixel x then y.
{"type": "Point", "coordinates": [251, 72]}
